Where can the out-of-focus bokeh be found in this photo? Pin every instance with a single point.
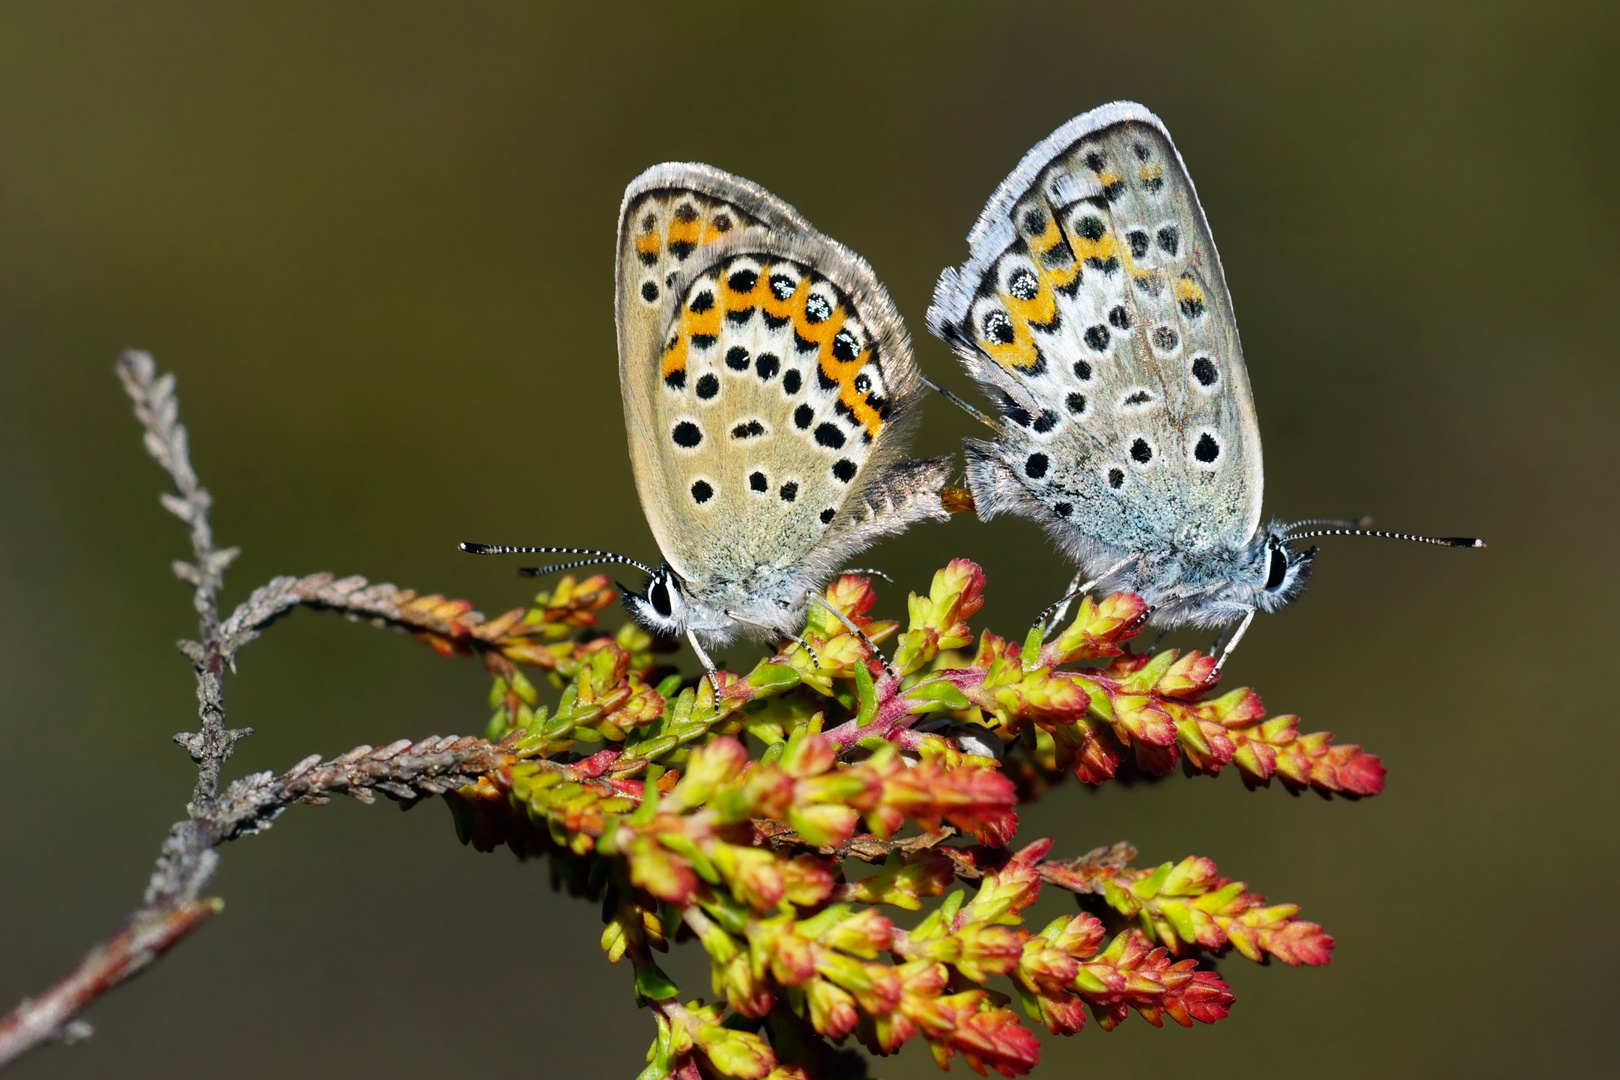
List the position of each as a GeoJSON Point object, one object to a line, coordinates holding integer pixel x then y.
{"type": "Point", "coordinates": [374, 241]}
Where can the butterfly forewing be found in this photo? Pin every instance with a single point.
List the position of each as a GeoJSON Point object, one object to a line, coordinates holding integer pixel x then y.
{"type": "Point", "coordinates": [669, 214]}
{"type": "Point", "coordinates": [1093, 302]}
{"type": "Point", "coordinates": [768, 374]}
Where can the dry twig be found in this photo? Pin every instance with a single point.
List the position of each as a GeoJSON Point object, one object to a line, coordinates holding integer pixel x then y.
{"type": "Point", "coordinates": [172, 907]}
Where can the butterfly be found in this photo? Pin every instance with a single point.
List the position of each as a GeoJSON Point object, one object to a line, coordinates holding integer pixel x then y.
{"type": "Point", "coordinates": [1093, 308]}
{"type": "Point", "coordinates": [769, 390]}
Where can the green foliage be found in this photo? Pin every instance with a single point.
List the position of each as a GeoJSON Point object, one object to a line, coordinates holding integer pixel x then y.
{"type": "Point", "coordinates": [735, 814]}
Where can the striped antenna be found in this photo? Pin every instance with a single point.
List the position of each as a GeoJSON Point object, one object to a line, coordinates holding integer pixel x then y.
{"type": "Point", "coordinates": [596, 557]}
{"type": "Point", "coordinates": [1442, 541]}
{"type": "Point", "coordinates": [1328, 523]}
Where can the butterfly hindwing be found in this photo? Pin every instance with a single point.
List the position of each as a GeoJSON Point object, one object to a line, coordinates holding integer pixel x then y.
{"type": "Point", "coordinates": [1094, 305]}
{"type": "Point", "coordinates": [767, 385]}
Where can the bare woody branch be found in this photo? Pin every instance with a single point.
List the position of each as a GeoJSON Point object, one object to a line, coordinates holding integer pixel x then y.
{"type": "Point", "coordinates": [405, 771]}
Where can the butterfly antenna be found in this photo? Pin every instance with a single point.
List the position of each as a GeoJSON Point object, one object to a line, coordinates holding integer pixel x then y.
{"type": "Point", "coordinates": [1328, 523]}
{"type": "Point", "coordinates": [1442, 541]}
{"type": "Point", "coordinates": [473, 548]}
{"type": "Point", "coordinates": [960, 404]}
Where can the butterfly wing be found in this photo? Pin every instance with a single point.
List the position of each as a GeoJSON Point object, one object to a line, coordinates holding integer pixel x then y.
{"type": "Point", "coordinates": [1093, 304]}
{"type": "Point", "coordinates": [767, 378]}
{"type": "Point", "coordinates": [668, 214]}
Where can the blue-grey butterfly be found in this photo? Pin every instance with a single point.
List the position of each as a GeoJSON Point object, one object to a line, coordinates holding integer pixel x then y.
{"type": "Point", "coordinates": [1093, 308]}
{"type": "Point", "coordinates": [769, 390]}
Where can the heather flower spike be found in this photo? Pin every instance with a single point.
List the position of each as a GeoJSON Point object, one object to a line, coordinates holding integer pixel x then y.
{"type": "Point", "coordinates": [734, 811]}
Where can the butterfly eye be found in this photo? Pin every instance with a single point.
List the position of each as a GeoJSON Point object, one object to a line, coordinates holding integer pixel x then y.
{"type": "Point", "coordinates": [658, 596]}
{"type": "Point", "coordinates": [1277, 570]}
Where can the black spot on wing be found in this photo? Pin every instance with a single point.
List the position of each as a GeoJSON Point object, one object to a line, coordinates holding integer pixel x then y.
{"type": "Point", "coordinates": [1207, 449]}
{"type": "Point", "coordinates": [702, 492]}
{"type": "Point", "coordinates": [845, 346]}
{"type": "Point", "coordinates": [830, 436]}
{"type": "Point", "coordinates": [1035, 466]}
{"type": "Point", "coordinates": [767, 366]}
{"type": "Point", "coordinates": [1203, 369]}
{"type": "Point", "coordinates": [792, 381]}
{"type": "Point", "coordinates": [686, 434]}
{"type": "Point", "coordinates": [708, 386]}
{"type": "Point", "coordinates": [676, 380]}
{"type": "Point", "coordinates": [1022, 284]}
{"type": "Point", "coordinates": [998, 328]}
{"type": "Point", "coordinates": [737, 358]}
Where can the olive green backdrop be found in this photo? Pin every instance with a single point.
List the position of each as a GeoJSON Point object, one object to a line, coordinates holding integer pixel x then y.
{"type": "Point", "coordinates": [374, 241]}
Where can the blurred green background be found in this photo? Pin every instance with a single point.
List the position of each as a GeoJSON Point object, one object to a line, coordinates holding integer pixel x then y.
{"type": "Point", "coordinates": [374, 242]}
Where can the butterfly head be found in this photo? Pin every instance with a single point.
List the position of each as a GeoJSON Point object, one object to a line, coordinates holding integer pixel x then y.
{"type": "Point", "coordinates": [1278, 572]}
{"type": "Point", "coordinates": [662, 607]}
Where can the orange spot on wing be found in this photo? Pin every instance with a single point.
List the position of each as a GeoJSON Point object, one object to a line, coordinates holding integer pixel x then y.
{"type": "Point", "coordinates": [1020, 352]}
{"type": "Point", "coordinates": [648, 243]}
{"type": "Point", "coordinates": [1101, 249]}
{"type": "Point", "coordinates": [674, 357]}
{"type": "Point", "coordinates": [842, 372]}
{"type": "Point", "coordinates": [738, 300]}
{"type": "Point", "coordinates": [685, 232]}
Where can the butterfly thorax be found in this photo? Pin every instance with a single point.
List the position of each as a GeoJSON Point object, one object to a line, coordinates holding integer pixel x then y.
{"type": "Point", "coordinates": [1208, 586]}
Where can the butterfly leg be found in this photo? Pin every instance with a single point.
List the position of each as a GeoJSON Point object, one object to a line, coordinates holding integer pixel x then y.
{"type": "Point", "coordinates": [782, 635]}
{"type": "Point", "coordinates": [960, 404]}
{"type": "Point", "coordinates": [708, 665]}
{"type": "Point", "coordinates": [849, 624]}
{"type": "Point", "coordinates": [1226, 653]}
{"type": "Point", "coordinates": [1054, 615]}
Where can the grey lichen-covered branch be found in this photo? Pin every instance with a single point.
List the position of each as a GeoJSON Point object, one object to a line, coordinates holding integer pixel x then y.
{"type": "Point", "coordinates": [172, 906]}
